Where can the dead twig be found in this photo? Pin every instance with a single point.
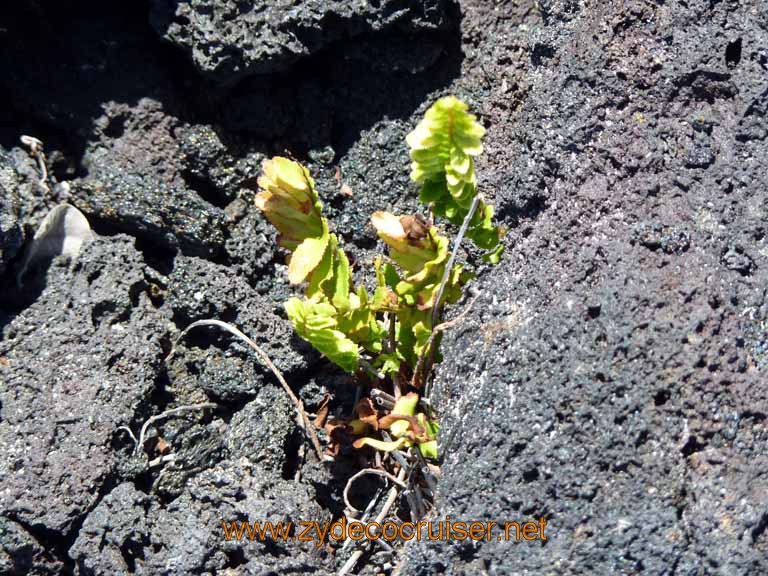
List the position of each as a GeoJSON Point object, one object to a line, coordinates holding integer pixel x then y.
{"type": "Point", "coordinates": [382, 399]}
{"type": "Point", "coordinates": [36, 150]}
{"type": "Point", "coordinates": [391, 498]}
{"type": "Point", "coordinates": [303, 419]}
{"type": "Point", "coordinates": [366, 515]}
{"type": "Point", "coordinates": [364, 472]}
{"type": "Point", "coordinates": [163, 416]}
{"type": "Point", "coordinates": [130, 433]}
{"type": "Point", "coordinates": [425, 471]}
{"type": "Point", "coordinates": [162, 460]}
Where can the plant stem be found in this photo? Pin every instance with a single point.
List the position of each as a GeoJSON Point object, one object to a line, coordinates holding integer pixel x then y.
{"type": "Point", "coordinates": [429, 351]}
{"type": "Point", "coordinates": [452, 259]}
{"type": "Point", "coordinates": [391, 498]}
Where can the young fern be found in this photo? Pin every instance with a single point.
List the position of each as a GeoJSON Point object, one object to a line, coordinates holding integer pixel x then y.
{"type": "Point", "coordinates": [392, 327]}
{"type": "Point", "coordinates": [330, 317]}
{"type": "Point", "coordinates": [443, 148]}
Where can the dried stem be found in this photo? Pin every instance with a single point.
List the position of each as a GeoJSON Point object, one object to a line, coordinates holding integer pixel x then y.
{"type": "Point", "coordinates": [366, 515]}
{"type": "Point", "coordinates": [391, 498]}
{"type": "Point", "coordinates": [163, 416]}
{"type": "Point", "coordinates": [427, 358]}
{"type": "Point", "coordinates": [303, 419]}
{"type": "Point", "coordinates": [452, 259]}
{"type": "Point", "coordinates": [130, 433]}
{"type": "Point", "coordinates": [399, 458]}
{"type": "Point", "coordinates": [162, 460]}
{"type": "Point", "coordinates": [365, 472]}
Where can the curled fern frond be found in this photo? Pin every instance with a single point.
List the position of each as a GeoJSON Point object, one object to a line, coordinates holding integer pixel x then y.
{"type": "Point", "coordinates": [333, 317]}
{"type": "Point", "coordinates": [289, 201]}
{"type": "Point", "coordinates": [443, 145]}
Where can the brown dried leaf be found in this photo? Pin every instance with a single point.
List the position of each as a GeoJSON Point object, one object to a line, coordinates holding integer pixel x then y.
{"type": "Point", "coordinates": [162, 447]}
{"type": "Point", "coordinates": [415, 226]}
{"type": "Point", "coordinates": [413, 423]}
{"type": "Point", "coordinates": [367, 413]}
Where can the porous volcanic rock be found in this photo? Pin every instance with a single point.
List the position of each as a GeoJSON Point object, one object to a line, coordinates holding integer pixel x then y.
{"type": "Point", "coordinates": [11, 231]}
{"type": "Point", "coordinates": [129, 531]}
{"type": "Point", "coordinates": [230, 40]}
{"type": "Point", "coordinates": [79, 362]}
{"type": "Point", "coordinates": [612, 379]}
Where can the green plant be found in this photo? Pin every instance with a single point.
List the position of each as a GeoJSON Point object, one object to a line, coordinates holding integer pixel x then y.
{"type": "Point", "coordinates": [391, 331]}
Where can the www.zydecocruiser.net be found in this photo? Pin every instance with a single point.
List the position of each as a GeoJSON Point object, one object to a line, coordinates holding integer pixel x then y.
{"type": "Point", "coordinates": [341, 530]}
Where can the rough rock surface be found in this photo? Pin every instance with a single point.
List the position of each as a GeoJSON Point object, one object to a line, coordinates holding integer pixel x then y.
{"type": "Point", "coordinates": [21, 553]}
{"type": "Point", "coordinates": [135, 182]}
{"type": "Point", "coordinates": [128, 532]}
{"type": "Point", "coordinates": [11, 233]}
{"type": "Point", "coordinates": [264, 430]}
{"type": "Point", "coordinates": [76, 364]}
{"type": "Point", "coordinates": [197, 290]}
{"type": "Point", "coordinates": [611, 378]}
{"type": "Point", "coordinates": [230, 40]}
{"type": "Point", "coordinates": [610, 384]}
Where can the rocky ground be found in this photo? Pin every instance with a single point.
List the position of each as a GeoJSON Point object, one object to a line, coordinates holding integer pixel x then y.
{"type": "Point", "coordinates": [611, 379]}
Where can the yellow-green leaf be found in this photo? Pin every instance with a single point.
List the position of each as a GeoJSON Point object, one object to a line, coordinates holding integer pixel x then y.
{"type": "Point", "coordinates": [307, 257]}
{"type": "Point", "coordinates": [381, 444]}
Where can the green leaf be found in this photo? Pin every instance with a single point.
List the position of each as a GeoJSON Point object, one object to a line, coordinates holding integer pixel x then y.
{"type": "Point", "coordinates": [388, 363]}
{"type": "Point", "coordinates": [432, 191]}
{"type": "Point", "coordinates": [381, 444]}
{"type": "Point", "coordinates": [404, 406]}
{"type": "Point", "coordinates": [443, 146]}
{"type": "Point", "coordinates": [429, 449]}
{"type": "Point", "coordinates": [315, 322]}
{"type": "Point", "coordinates": [306, 258]}
{"type": "Point", "coordinates": [341, 279]}
{"type": "Point", "coordinates": [494, 257]}
{"type": "Point", "coordinates": [323, 273]}
{"type": "Point", "coordinates": [289, 201]}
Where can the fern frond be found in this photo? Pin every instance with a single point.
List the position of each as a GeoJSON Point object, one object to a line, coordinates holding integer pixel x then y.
{"type": "Point", "coordinates": [443, 150]}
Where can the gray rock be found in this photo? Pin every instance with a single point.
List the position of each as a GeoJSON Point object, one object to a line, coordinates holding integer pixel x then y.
{"type": "Point", "coordinates": [264, 430]}
{"type": "Point", "coordinates": [228, 41]}
{"type": "Point", "coordinates": [199, 290]}
{"type": "Point", "coordinates": [252, 248]}
{"type": "Point", "coordinates": [604, 382]}
{"type": "Point", "coordinates": [173, 218]}
{"type": "Point", "coordinates": [654, 235]}
{"type": "Point", "coordinates": [194, 446]}
{"type": "Point", "coordinates": [34, 200]}
{"type": "Point", "coordinates": [11, 231]}
{"type": "Point", "coordinates": [611, 378]}
{"type": "Point", "coordinates": [221, 166]}
{"type": "Point", "coordinates": [120, 525]}
{"type": "Point", "coordinates": [131, 532]}
{"type": "Point", "coordinates": [135, 183]}
{"type": "Point", "coordinates": [22, 553]}
{"type": "Point", "coordinates": [77, 363]}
